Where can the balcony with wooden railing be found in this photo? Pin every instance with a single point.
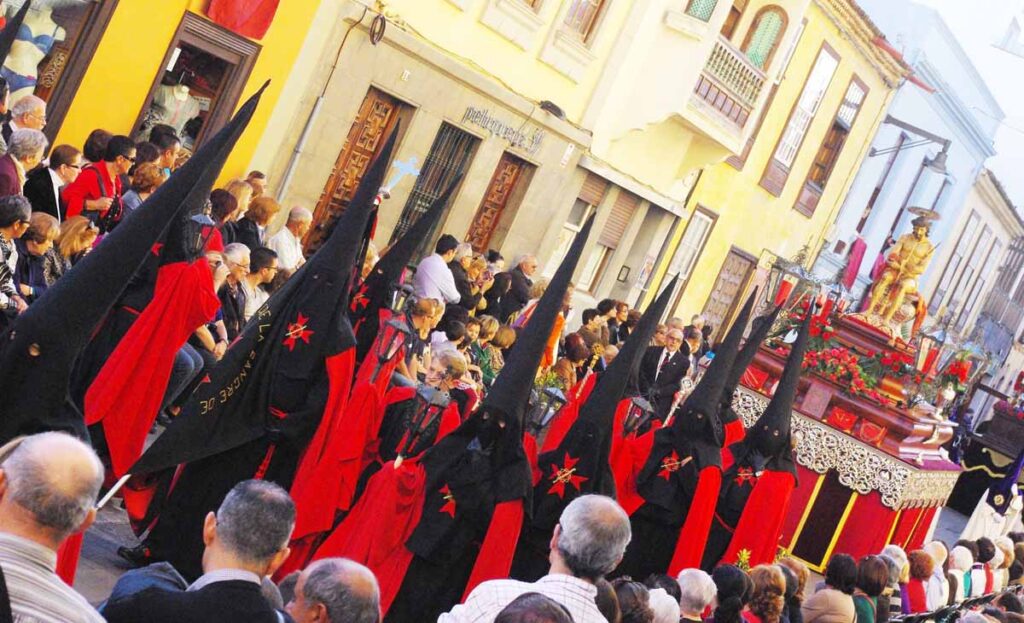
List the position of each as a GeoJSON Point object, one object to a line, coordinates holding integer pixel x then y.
{"type": "Point", "coordinates": [730, 83]}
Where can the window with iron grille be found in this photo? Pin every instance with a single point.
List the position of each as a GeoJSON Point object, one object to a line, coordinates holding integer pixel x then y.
{"type": "Point", "coordinates": [582, 17]}
{"type": "Point", "coordinates": [764, 37]}
{"type": "Point", "coordinates": [701, 9]}
{"type": "Point", "coordinates": [449, 157]}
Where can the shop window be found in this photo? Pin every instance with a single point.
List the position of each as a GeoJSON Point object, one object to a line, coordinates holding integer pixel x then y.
{"type": "Point", "coordinates": [764, 36]}
{"type": "Point", "coordinates": [590, 196]}
{"type": "Point", "coordinates": [701, 9]}
{"type": "Point", "coordinates": [200, 81]}
{"type": "Point", "coordinates": [581, 18]}
{"type": "Point", "coordinates": [52, 50]}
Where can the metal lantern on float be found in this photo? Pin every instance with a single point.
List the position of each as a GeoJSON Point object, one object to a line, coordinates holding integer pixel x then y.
{"type": "Point", "coordinates": [430, 403]}
{"type": "Point", "coordinates": [394, 336]}
{"type": "Point", "coordinates": [787, 276]}
{"type": "Point", "coordinates": [544, 404]}
{"type": "Point", "coordinates": [640, 412]}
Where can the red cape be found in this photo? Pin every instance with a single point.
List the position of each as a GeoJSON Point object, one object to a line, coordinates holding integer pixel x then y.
{"type": "Point", "coordinates": [760, 524]}
{"type": "Point", "coordinates": [494, 560]}
{"type": "Point", "coordinates": [316, 477]}
{"type": "Point", "coordinates": [127, 393]}
{"type": "Point", "coordinates": [734, 432]}
{"type": "Point", "coordinates": [694, 534]}
{"type": "Point", "coordinates": [394, 500]}
{"type": "Point", "coordinates": [639, 450]}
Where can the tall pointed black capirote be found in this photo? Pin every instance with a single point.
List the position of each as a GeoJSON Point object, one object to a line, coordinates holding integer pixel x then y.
{"type": "Point", "coordinates": [376, 289]}
{"type": "Point", "coordinates": [274, 375]}
{"type": "Point", "coordinates": [39, 349]}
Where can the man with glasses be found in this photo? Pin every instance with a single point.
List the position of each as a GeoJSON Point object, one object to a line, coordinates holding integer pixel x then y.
{"type": "Point", "coordinates": [96, 193]}
{"type": "Point", "coordinates": [262, 270]}
{"type": "Point", "coordinates": [232, 294]}
{"type": "Point", "coordinates": [661, 371]}
{"type": "Point", "coordinates": [43, 186]}
{"type": "Point", "coordinates": [28, 112]}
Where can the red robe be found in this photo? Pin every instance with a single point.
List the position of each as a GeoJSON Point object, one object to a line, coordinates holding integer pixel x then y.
{"type": "Point", "coordinates": [394, 499]}
{"type": "Point", "coordinates": [693, 535]}
{"type": "Point", "coordinates": [760, 525]}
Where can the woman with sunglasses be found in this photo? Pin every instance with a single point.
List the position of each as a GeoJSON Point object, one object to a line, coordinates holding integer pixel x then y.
{"type": "Point", "coordinates": [15, 212]}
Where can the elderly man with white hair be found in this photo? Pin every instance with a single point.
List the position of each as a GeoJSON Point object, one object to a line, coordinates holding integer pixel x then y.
{"type": "Point", "coordinates": [589, 541]}
{"type": "Point", "coordinates": [287, 243]}
{"type": "Point", "coordinates": [336, 590]}
{"type": "Point", "coordinates": [24, 152]}
{"type": "Point", "coordinates": [697, 591]}
{"type": "Point", "coordinates": [28, 112]}
{"type": "Point", "coordinates": [48, 488]}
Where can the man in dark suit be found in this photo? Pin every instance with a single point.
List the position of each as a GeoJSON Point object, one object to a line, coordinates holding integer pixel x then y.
{"type": "Point", "coordinates": [520, 283]}
{"type": "Point", "coordinates": [661, 371]}
{"type": "Point", "coordinates": [42, 188]}
{"type": "Point", "coordinates": [246, 540]}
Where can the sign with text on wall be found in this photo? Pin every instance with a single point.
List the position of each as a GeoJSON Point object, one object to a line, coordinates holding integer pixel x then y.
{"type": "Point", "coordinates": [530, 142]}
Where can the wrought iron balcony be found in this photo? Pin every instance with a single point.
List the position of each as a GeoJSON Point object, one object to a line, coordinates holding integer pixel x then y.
{"type": "Point", "coordinates": [730, 83]}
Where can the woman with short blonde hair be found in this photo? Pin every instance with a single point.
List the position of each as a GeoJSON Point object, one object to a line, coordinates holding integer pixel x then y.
{"type": "Point", "coordinates": [77, 235]}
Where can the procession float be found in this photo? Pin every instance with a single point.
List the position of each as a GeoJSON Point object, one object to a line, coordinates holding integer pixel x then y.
{"type": "Point", "coordinates": [871, 424]}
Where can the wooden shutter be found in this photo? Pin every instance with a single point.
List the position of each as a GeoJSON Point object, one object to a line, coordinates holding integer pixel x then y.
{"type": "Point", "coordinates": [594, 189]}
{"type": "Point", "coordinates": [618, 220]}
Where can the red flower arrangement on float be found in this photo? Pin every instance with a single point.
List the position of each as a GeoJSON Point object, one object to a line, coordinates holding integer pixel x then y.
{"type": "Point", "coordinates": [956, 373]}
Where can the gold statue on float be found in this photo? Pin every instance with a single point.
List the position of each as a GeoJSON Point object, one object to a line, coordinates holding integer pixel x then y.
{"type": "Point", "coordinates": [905, 263]}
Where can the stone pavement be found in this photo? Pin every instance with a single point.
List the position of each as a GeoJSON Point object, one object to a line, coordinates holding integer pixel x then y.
{"type": "Point", "coordinates": [100, 565]}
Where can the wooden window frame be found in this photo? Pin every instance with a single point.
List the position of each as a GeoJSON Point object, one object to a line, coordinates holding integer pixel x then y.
{"type": "Point", "coordinates": [63, 95]}
{"type": "Point", "coordinates": [203, 34]}
{"type": "Point", "coordinates": [713, 216]}
{"type": "Point", "coordinates": [775, 168]}
{"type": "Point", "coordinates": [752, 29]}
{"type": "Point", "coordinates": [586, 36]}
{"type": "Point", "coordinates": [812, 188]}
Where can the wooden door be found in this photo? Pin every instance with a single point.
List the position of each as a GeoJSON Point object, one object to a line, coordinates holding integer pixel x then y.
{"type": "Point", "coordinates": [377, 116]}
{"type": "Point", "coordinates": [731, 282]}
{"type": "Point", "coordinates": [503, 183]}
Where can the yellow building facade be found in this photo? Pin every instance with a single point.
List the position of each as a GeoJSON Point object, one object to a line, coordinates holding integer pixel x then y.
{"type": "Point", "coordinates": [781, 193]}
{"type": "Point", "coordinates": [110, 59]}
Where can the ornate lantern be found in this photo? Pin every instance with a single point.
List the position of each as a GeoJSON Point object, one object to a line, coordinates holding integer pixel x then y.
{"type": "Point", "coordinates": [400, 297]}
{"type": "Point", "coordinates": [430, 404]}
{"type": "Point", "coordinates": [640, 412]}
{"type": "Point", "coordinates": [395, 335]}
{"type": "Point", "coordinates": [544, 404]}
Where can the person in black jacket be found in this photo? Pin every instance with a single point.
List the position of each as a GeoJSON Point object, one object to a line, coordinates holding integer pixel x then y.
{"type": "Point", "coordinates": [232, 294]}
{"type": "Point", "coordinates": [519, 287]}
{"type": "Point", "coordinates": [246, 540]}
{"type": "Point", "coordinates": [42, 187]}
{"type": "Point", "coordinates": [250, 230]}
{"type": "Point", "coordinates": [661, 371]}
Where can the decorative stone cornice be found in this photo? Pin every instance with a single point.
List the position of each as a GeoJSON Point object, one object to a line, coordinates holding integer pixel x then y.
{"type": "Point", "coordinates": [861, 32]}
{"type": "Point", "coordinates": [861, 467]}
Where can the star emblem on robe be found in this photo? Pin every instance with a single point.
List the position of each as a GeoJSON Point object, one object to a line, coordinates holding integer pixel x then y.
{"type": "Point", "coordinates": [745, 475]}
{"type": "Point", "coordinates": [449, 501]}
{"type": "Point", "coordinates": [297, 331]}
{"type": "Point", "coordinates": [566, 474]}
{"type": "Point", "coordinates": [360, 300]}
{"type": "Point", "coordinates": [671, 464]}
{"type": "Point", "coordinates": [156, 248]}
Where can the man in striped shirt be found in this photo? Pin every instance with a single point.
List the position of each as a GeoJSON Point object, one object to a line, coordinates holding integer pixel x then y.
{"type": "Point", "coordinates": [48, 488]}
{"type": "Point", "coordinates": [589, 541]}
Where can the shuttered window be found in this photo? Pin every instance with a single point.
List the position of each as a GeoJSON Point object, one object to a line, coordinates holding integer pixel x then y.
{"type": "Point", "coordinates": [618, 219]}
{"type": "Point", "coordinates": [594, 189]}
